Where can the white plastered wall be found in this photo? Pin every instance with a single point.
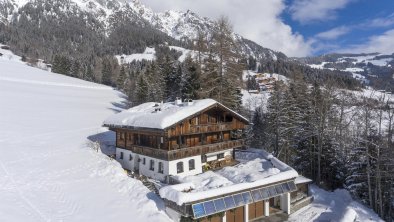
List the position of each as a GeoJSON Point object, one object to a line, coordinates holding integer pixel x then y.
{"type": "Point", "coordinates": [169, 167]}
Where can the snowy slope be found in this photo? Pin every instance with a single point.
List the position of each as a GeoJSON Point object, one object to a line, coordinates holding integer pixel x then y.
{"type": "Point", "coordinates": [48, 172]}
{"type": "Point", "coordinates": [333, 206]}
{"type": "Point", "coordinates": [149, 55]}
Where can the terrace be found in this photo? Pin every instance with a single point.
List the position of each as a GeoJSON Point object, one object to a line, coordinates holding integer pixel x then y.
{"type": "Point", "coordinates": [259, 176]}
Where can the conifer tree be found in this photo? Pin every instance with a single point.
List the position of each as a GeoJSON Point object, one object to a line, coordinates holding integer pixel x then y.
{"type": "Point", "coordinates": [141, 90]}
{"type": "Point", "coordinates": [120, 83]}
{"type": "Point", "coordinates": [227, 67]}
{"type": "Point", "coordinates": [106, 72]}
{"type": "Point", "coordinates": [190, 83]}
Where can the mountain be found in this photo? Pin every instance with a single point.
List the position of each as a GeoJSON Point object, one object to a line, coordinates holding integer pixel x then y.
{"type": "Point", "coordinates": [124, 27]}
{"type": "Point", "coordinates": [85, 31]}
{"type": "Point", "coordinates": [374, 69]}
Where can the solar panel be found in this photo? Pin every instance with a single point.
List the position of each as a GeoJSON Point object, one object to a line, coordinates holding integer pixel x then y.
{"type": "Point", "coordinates": [264, 193]}
{"type": "Point", "coordinates": [219, 204]}
{"type": "Point", "coordinates": [272, 191]}
{"type": "Point", "coordinates": [229, 201]}
{"type": "Point", "coordinates": [292, 186]}
{"type": "Point", "coordinates": [279, 189]}
{"type": "Point", "coordinates": [233, 201]}
{"type": "Point", "coordinates": [238, 200]}
{"type": "Point", "coordinates": [209, 207]}
{"type": "Point", "coordinates": [198, 210]}
{"type": "Point", "coordinates": [256, 195]}
{"type": "Point", "coordinates": [285, 187]}
{"type": "Point", "coordinates": [247, 197]}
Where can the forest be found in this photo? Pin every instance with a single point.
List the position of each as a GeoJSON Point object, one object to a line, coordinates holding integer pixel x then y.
{"type": "Point", "coordinates": [339, 138]}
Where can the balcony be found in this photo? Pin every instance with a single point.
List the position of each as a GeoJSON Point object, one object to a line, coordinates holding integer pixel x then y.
{"type": "Point", "coordinates": [198, 129]}
{"type": "Point", "coordinates": [189, 151]}
{"type": "Point", "coordinates": [211, 128]}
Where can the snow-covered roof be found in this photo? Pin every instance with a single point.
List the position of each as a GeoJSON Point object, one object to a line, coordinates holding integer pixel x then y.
{"type": "Point", "coordinates": [257, 169]}
{"type": "Point", "coordinates": [301, 179]}
{"type": "Point", "coordinates": [147, 116]}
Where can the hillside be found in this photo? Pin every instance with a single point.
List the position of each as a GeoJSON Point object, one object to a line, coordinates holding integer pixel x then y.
{"type": "Point", "coordinates": [107, 27]}
{"type": "Point", "coordinates": [51, 172]}
{"type": "Point", "coordinates": [373, 69]}
{"type": "Point", "coordinates": [48, 171]}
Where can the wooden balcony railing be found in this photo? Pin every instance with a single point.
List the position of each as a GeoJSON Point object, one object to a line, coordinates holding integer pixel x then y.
{"type": "Point", "coordinates": [211, 128]}
{"type": "Point", "coordinates": [205, 128]}
{"type": "Point", "coordinates": [189, 151]}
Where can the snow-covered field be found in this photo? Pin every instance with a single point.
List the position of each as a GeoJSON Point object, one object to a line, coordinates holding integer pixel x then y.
{"type": "Point", "coordinates": [48, 173]}
{"type": "Point", "coordinates": [149, 55]}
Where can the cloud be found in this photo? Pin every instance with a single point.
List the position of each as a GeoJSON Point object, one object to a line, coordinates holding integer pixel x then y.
{"type": "Point", "coordinates": [333, 33]}
{"type": "Point", "coordinates": [258, 20]}
{"type": "Point", "coordinates": [380, 22]}
{"type": "Point", "coordinates": [306, 11]}
{"type": "Point", "coordinates": [379, 43]}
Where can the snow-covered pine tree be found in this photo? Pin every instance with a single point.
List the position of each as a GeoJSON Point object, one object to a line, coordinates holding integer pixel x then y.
{"type": "Point", "coordinates": [156, 83]}
{"type": "Point", "coordinates": [257, 137]}
{"type": "Point", "coordinates": [106, 72]}
{"type": "Point", "coordinates": [141, 90]}
{"type": "Point", "coordinates": [277, 120]}
{"type": "Point", "coordinates": [120, 82]}
{"type": "Point", "coordinates": [190, 82]}
{"type": "Point", "coordinates": [172, 77]}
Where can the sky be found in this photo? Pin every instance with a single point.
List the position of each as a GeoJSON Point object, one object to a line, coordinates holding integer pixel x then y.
{"type": "Point", "coordinates": [302, 27]}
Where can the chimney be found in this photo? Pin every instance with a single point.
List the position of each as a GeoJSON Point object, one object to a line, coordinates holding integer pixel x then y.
{"type": "Point", "coordinates": [178, 101]}
{"type": "Point", "coordinates": [190, 102]}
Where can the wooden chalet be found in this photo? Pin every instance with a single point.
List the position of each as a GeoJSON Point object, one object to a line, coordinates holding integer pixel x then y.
{"type": "Point", "coordinates": [202, 133]}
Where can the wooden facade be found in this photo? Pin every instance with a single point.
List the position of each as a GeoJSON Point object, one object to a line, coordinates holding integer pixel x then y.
{"type": "Point", "coordinates": [212, 130]}
{"type": "Point", "coordinates": [235, 215]}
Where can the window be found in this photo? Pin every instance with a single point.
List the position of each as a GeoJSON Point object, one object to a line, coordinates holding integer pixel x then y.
{"type": "Point", "coordinates": [203, 158]}
{"type": "Point", "coordinates": [152, 165]}
{"type": "Point", "coordinates": [130, 157]}
{"type": "Point", "coordinates": [122, 136]}
{"type": "Point", "coordinates": [121, 156]}
{"type": "Point", "coordinates": [191, 165]}
{"type": "Point", "coordinates": [220, 156]}
{"type": "Point", "coordinates": [144, 161]}
{"type": "Point", "coordinates": [161, 168]}
{"type": "Point", "coordinates": [179, 167]}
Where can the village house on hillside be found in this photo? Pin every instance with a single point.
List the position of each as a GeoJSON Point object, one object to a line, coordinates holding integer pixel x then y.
{"type": "Point", "coordinates": [196, 150]}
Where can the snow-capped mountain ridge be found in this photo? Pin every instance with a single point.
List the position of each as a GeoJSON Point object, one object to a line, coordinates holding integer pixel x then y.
{"type": "Point", "coordinates": [180, 25]}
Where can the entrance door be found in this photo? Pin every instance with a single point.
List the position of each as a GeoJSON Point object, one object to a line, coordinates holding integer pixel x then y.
{"type": "Point", "coordinates": [256, 210]}
{"type": "Point", "coordinates": [235, 215]}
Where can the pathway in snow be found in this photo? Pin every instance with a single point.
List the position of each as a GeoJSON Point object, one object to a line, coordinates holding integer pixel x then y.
{"type": "Point", "coordinates": [48, 172]}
